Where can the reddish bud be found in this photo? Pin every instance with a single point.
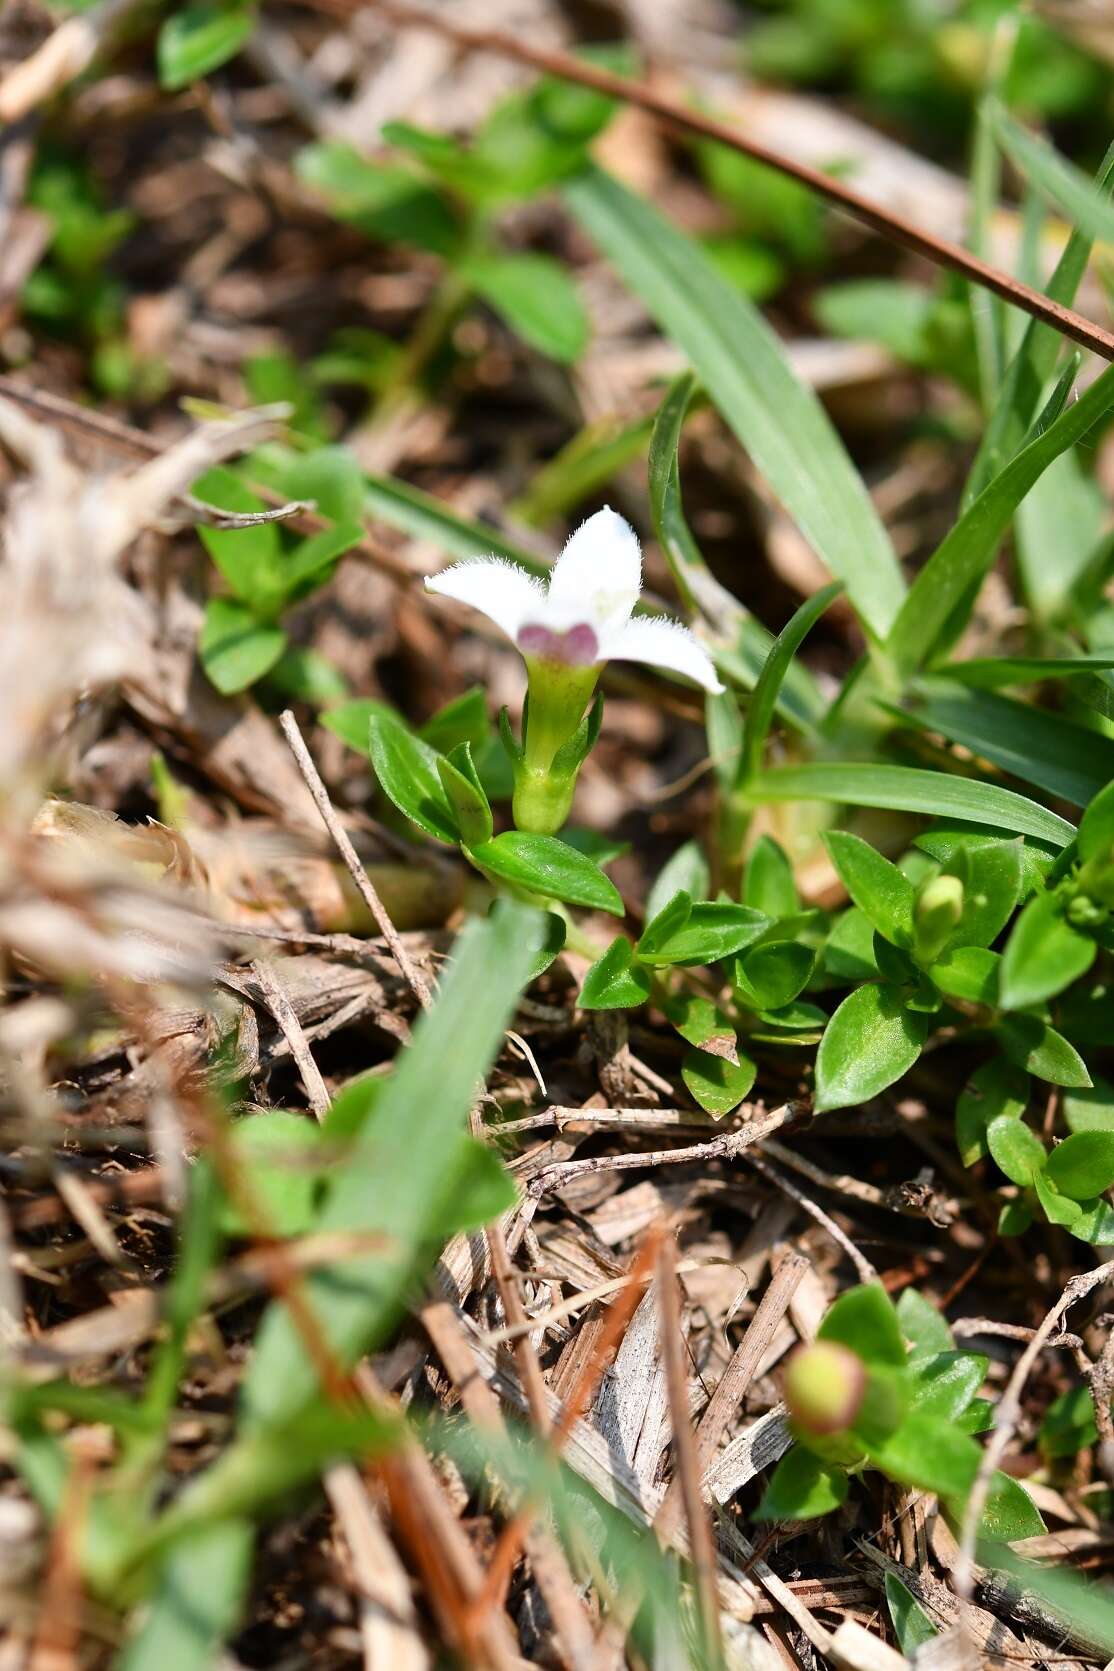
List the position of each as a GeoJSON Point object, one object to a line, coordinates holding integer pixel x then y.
{"type": "Point", "coordinates": [824, 1388]}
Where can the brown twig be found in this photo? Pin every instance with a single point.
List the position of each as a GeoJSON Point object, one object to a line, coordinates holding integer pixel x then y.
{"type": "Point", "coordinates": [686, 1462]}
{"type": "Point", "coordinates": [731, 1143]}
{"type": "Point", "coordinates": [683, 119]}
{"type": "Point", "coordinates": [413, 976]}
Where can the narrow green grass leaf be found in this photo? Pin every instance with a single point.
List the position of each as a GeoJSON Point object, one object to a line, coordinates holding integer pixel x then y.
{"type": "Point", "coordinates": [1040, 748]}
{"type": "Point", "coordinates": [741, 363]}
{"type": "Point", "coordinates": [1032, 365]}
{"type": "Point", "coordinates": [760, 713]}
{"type": "Point", "coordinates": [400, 1179]}
{"type": "Point", "coordinates": [1064, 185]}
{"type": "Point", "coordinates": [911, 789]}
{"type": "Point", "coordinates": [424, 517]}
{"type": "Point", "coordinates": [197, 1601]}
{"type": "Point", "coordinates": [798, 699]}
{"type": "Point", "coordinates": [953, 574]}
{"type": "Point", "coordinates": [999, 672]}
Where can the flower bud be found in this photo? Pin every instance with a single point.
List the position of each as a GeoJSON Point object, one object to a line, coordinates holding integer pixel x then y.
{"type": "Point", "coordinates": [936, 916]}
{"type": "Point", "coordinates": [825, 1384]}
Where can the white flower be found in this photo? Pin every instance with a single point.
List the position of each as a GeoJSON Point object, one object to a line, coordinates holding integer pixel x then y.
{"type": "Point", "coordinates": [583, 617]}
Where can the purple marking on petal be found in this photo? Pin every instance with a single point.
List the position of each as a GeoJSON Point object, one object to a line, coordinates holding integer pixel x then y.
{"type": "Point", "coordinates": [578, 647]}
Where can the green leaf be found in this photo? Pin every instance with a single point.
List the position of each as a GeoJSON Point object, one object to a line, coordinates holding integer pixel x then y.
{"type": "Point", "coordinates": [848, 953]}
{"type": "Point", "coordinates": [997, 672]}
{"type": "Point", "coordinates": [687, 933]}
{"type": "Point", "coordinates": [550, 868]}
{"type": "Point", "coordinates": [1095, 1223]}
{"type": "Point", "coordinates": [1091, 1110]}
{"type": "Point", "coordinates": [409, 775]}
{"type": "Point", "coordinates": [385, 201]}
{"type": "Point", "coordinates": [801, 1488]}
{"type": "Point", "coordinates": [351, 721]}
{"type": "Point", "coordinates": [877, 887]}
{"type": "Point", "coordinates": [1018, 1151]}
{"type": "Point", "coordinates": [870, 1042]}
{"type": "Point", "coordinates": [1064, 185]}
{"type": "Point", "coordinates": [198, 1599]}
{"type": "Point", "coordinates": [928, 1454]}
{"type": "Point", "coordinates": [944, 1385]}
{"type": "Point", "coordinates": [686, 871]}
{"type": "Point", "coordinates": [1042, 749]}
{"type": "Point", "coordinates": [401, 1178]}
{"type": "Point", "coordinates": [425, 518]}
{"type": "Point", "coordinates": [536, 297]}
{"type": "Point", "coordinates": [1069, 1424]}
{"type": "Point", "coordinates": [1083, 1165]}
{"type": "Point", "coordinates": [1043, 954]}
{"type": "Point", "coordinates": [865, 1319]}
{"type": "Point", "coordinates": [306, 676]}
{"type": "Point", "coordinates": [702, 1023]}
{"type": "Point", "coordinates": [768, 883]}
{"type": "Point", "coordinates": [312, 560]}
{"type": "Point", "coordinates": [464, 792]}
{"type": "Point", "coordinates": [1042, 1051]}
{"type": "Point", "coordinates": [281, 1151]}
{"type": "Point", "coordinates": [234, 647]}
{"type": "Point", "coordinates": [923, 1325]}
{"type": "Point", "coordinates": [969, 973]}
{"type": "Point", "coordinates": [912, 1625]}
{"type": "Point", "coordinates": [1010, 1513]}
{"type": "Point", "coordinates": [910, 789]}
{"type": "Point", "coordinates": [947, 585]}
{"type": "Point", "coordinates": [960, 848]}
{"type": "Point", "coordinates": [715, 1083]}
{"type": "Point", "coordinates": [481, 1190]}
{"type": "Point", "coordinates": [991, 873]}
{"type": "Point", "coordinates": [200, 38]}
{"type": "Point", "coordinates": [996, 1090]}
{"type": "Point", "coordinates": [770, 976]}
{"type": "Point", "coordinates": [760, 711]}
{"type": "Point", "coordinates": [779, 421]}
{"type": "Point", "coordinates": [615, 981]}
{"type": "Point", "coordinates": [248, 558]}
{"type": "Point", "coordinates": [1057, 1208]}
{"type": "Point", "coordinates": [1032, 365]}
{"type": "Point", "coordinates": [1096, 827]}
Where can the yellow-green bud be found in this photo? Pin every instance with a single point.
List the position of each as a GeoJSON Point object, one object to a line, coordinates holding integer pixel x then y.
{"type": "Point", "coordinates": [825, 1384]}
{"type": "Point", "coordinates": [936, 916]}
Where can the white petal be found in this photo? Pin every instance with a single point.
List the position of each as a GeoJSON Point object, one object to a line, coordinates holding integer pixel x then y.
{"type": "Point", "coordinates": [502, 591]}
{"type": "Point", "coordinates": [598, 576]}
{"type": "Point", "coordinates": [663, 644]}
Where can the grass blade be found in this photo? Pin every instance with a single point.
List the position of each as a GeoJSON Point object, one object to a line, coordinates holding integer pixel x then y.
{"type": "Point", "coordinates": [1064, 185]}
{"type": "Point", "coordinates": [911, 789]}
{"type": "Point", "coordinates": [1040, 748]}
{"type": "Point", "coordinates": [395, 1181]}
{"type": "Point", "coordinates": [798, 698]}
{"type": "Point", "coordinates": [770, 680]}
{"type": "Point", "coordinates": [948, 584]}
{"type": "Point", "coordinates": [1033, 364]}
{"type": "Point", "coordinates": [740, 362]}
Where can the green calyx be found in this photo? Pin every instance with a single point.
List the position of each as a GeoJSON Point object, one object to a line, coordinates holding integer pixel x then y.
{"type": "Point", "coordinates": [937, 914]}
{"type": "Point", "coordinates": [558, 736]}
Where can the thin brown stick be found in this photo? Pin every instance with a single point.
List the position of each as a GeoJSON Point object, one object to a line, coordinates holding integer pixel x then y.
{"type": "Point", "coordinates": [283, 1011]}
{"type": "Point", "coordinates": [736, 1378]}
{"type": "Point", "coordinates": [725, 1147]}
{"type": "Point", "coordinates": [529, 1369]}
{"type": "Point", "coordinates": [413, 976]}
{"type": "Point", "coordinates": [686, 1464]}
{"type": "Point", "coordinates": [681, 118]}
